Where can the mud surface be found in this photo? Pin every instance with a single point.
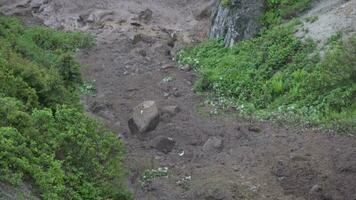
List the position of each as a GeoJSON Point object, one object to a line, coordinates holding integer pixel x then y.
{"type": "Point", "coordinates": [132, 62]}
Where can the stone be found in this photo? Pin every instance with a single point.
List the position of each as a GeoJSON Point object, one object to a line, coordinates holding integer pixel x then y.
{"type": "Point", "coordinates": [316, 192]}
{"type": "Point", "coordinates": [163, 144]}
{"type": "Point", "coordinates": [98, 15]}
{"type": "Point", "coordinates": [145, 118]}
{"type": "Point", "coordinates": [170, 110]}
{"type": "Point", "coordinates": [185, 68]}
{"type": "Point", "coordinates": [137, 38]}
{"type": "Point", "coordinates": [213, 144]}
{"type": "Point", "coordinates": [204, 11]}
{"type": "Point", "coordinates": [211, 191]}
{"type": "Point", "coordinates": [254, 129]}
{"type": "Point", "coordinates": [37, 3]}
{"type": "Point", "coordinates": [166, 67]}
{"type": "Point", "coordinates": [145, 15]}
{"type": "Point", "coordinates": [315, 189]}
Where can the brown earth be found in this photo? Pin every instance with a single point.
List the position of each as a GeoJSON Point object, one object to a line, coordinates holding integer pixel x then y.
{"type": "Point", "coordinates": [132, 62]}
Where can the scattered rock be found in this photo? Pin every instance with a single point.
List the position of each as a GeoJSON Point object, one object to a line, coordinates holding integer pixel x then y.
{"type": "Point", "coordinates": [145, 15]}
{"type": "Point", "coordinates": [166, 94]}
{"type": "Point", "coordinates": [163, 144]}
{"type": "Point", "coordinates": [135, 24]}
{"type": "Point", "coordinates": [211, 192]}
{"type": "Point", "coordinates": [165, 67]}
{"type": "Point", "coordinates": [213, 144]}
{"type": "Point", "coordinates": [145, 118]}
{"type": "Point", "coordinates": [254, 129]}
{"type": "Point", "coordinates": [103, 110]}
{"type": "Point", "coordinates": [37, 3]}
{"type": "Point", "coordinates": [177, 94]}
{"type": "Point", "coordinates": [185, 68]}
{"type": "Point", "coordinates": [204, 11]}
{"type": "Point", "coordinates": [315, 189]}
{"type": "Point", "coordinates": [170, 110]}
{"type": "Point", "coordinates": [98, 15]}
{"type": "Point", "coordinates": [137, 38]}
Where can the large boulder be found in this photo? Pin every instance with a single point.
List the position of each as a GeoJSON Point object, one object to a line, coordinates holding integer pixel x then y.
{"type": "Point", "coordinates": [145, 118]}
{"type": "Point", "coordinates": [237, 21]}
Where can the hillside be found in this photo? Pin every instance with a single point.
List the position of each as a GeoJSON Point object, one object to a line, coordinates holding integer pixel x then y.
{"type": "Point", "coordinates": [269, 116]}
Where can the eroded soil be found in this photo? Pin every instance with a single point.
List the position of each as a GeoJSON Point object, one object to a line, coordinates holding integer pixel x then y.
{"type": "Point", "coordinates": [136, 42]}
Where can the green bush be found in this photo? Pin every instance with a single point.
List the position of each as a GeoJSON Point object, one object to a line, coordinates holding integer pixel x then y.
{"type": "Point", "coordinates": [279, 10]}
{"type": "Point", "coordinates": [277, 74]}
{"type": "Point", "coordinates": [45, 137]}
{"type": "Point", "coordinates": [226, 3]}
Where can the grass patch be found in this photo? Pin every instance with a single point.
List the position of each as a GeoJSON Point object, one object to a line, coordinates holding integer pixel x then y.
{"type": "Point", "coordinates": [278, 75]}
{"type": "Point", "coordinates": [45, 137]}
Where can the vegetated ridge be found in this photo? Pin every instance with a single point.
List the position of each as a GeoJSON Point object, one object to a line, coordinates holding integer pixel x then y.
{"type": "Point", "coordinates": [46, 139]}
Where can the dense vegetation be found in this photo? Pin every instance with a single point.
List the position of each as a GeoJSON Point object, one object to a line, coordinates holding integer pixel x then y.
{"type": "Point", "coordinates": [278, 75]}
{"type": "Point", "coordinates": [279, 10]}
{"type": "Point", "coordinates": [45, 138]}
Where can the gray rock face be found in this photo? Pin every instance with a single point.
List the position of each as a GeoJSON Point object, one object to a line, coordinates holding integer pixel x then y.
{"type": "Point", "coordinates": [145, 118]}
{"type": "Point", "coordinates": [238, 21]}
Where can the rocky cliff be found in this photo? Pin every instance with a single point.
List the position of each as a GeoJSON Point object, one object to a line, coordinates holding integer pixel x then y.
{"type": "Point", "coordinates": [236, 21]}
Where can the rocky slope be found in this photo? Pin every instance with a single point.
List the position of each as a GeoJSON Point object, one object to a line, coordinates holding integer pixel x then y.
{"type": "Point", "coordinates": [211, 158]}
{"type": "Point", "coordinates": [240, 20]}
{"type": "Point", "coordinates": [331, 17]}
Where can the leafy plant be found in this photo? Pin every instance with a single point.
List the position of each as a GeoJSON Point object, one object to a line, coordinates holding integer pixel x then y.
{"type": "Point", "coordinates": [45, 137]}
{"type": "Point", "coordinates": [87, 88]}
{"type": "Point", "coordinates": [278, 74]}
{"type": "Point", "coordinates": [279, 10]}
{"type": "Point", "coordinates": [149, 175]}
{"type": "Point", "coordinates": [226, 3]}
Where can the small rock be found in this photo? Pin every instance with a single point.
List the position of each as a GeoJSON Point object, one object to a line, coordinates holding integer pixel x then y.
{"type": "Point", "coordinates": [163, 144]}
{"type": "Point", "coordinates": [316, 192]}
{"type": "Point", "coordinates": [145, 15]}
{"type": "Point", "coordinates": [165, 67]}
{"type": "Point", "coordinates": [135, 24]}
{"type": "Point", "coordinates": [213, 144]}
{"type": "Point", "coordinates": [185, 68]}
{"type": "Point", "coordinates": [315, 189]}
{"type": "Point", "coordinates": [177, 94]}
{"type": "Point", "coordinates": [165, 94]}
{"type": "Point", "coordinates": [170, 110]}
{"type": "Point", "coordinates": [145, 118]}
{"type": "Point", "coordinates": [236, 168]}
{"type": "Point", "coordinates": [137, 38]}
{"type": "Point", "coordinates": [254, 129]}
{"type": "Point", "coordinates": [37, 3]}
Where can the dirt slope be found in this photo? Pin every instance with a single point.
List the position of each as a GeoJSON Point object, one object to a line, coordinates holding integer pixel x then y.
{"type": "Point", "coordinates": [256, 160]}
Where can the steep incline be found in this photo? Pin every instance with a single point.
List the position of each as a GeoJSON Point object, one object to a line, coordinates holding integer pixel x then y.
{"type": "Point", "coordinates": [214, 157]}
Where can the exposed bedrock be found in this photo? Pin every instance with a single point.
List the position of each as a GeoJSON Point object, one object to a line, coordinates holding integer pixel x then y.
{"type": "Point", "coordinates": [237, 21]}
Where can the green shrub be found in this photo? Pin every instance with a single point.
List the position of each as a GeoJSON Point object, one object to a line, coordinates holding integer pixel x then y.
{"type": "Point", "coordinates": [226, 3]}
{"type": "Point", "coordinates": [45, 137]}
{"type": "Point", "coordinates": [278, 73]}
{"type": "Point", "coordinates": [279, 10]}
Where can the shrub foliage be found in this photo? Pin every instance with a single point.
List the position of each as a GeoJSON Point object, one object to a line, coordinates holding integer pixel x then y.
{"type": "Point", "coordinates": [278, 74]}
{"type": "Point", "coordinates": [45, 137]}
